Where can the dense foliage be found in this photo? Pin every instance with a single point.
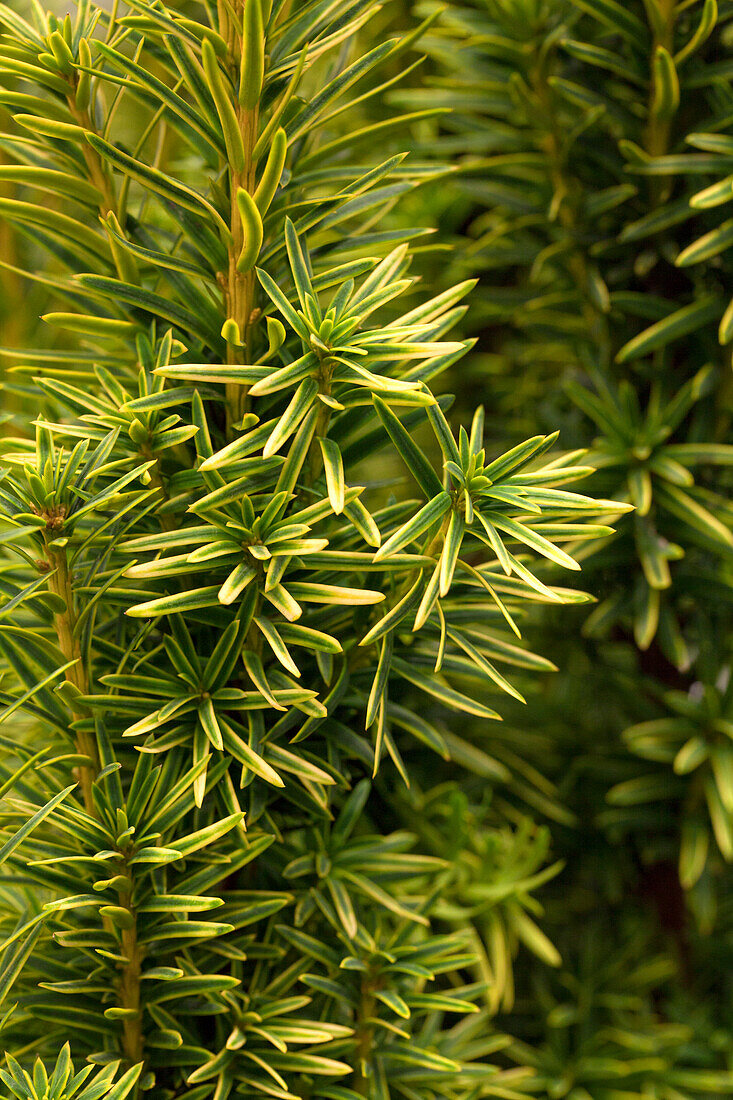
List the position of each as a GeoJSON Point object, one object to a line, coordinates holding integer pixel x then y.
{"type": "Point", "coordinates": [268, 589]}
{"type": "Point", "coordinates": [593, 141]}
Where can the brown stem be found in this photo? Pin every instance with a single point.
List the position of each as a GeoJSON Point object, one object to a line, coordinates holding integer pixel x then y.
{"type": "Point", "coordinates": [167, 522]}
{"type": "Point", "coordinates": [364, 1038]}
{"type": "Point", "coordinates": [133, 1042]}
{"type": "Point", "coordinates": [658, 130]}
{"type": "Point", "coordinates": [60, 583]}
{"type": "Point", "coordinates": [240, 287]}
{"type": "Point", "coordinates": [565, 195]}
{"type": "Point", "coordinates": [98, 174]}
{"type": "Point", "coordinates": [314, 462]}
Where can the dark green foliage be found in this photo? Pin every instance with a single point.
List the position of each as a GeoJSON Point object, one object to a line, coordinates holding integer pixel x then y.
{"type": "Point", "coordinates": [268, 590]}
{"type": "Point", "coordinates": [243, 598]}
{"type": "Point", "coordinates": [592, 139]}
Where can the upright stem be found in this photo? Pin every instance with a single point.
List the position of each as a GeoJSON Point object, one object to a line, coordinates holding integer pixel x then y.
{"type": "Point", "coordinates": [99, 174]}
{"type": "Point", "coordinates": [65, 621]}
{"type": "Point", "coordinates": [364, 1038]}
{"type": "Point", "coordinates": [565, 197]}
{"type": "Point", "coordinates": [240, 287]}
{"type": "Point", "coordinates": [167, 521]}
{"type": "Point", "coordinates": [77, 675]}
{"type": "Point", "coordinates": [659, 129]}
{"type": "Point", "coordinates": [133, 1042]}
{"type": "Point", "coordinates": [315, 458]}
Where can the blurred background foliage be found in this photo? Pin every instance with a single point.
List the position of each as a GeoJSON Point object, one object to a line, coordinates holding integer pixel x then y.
{"type": "Point", "coordinates": [591, 190]}
{"type": "Point", "coordinates": [576, 156]}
